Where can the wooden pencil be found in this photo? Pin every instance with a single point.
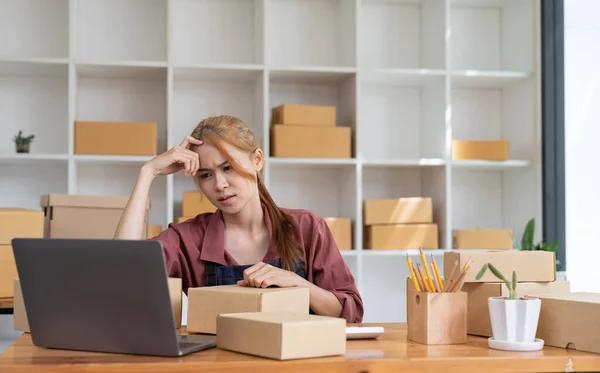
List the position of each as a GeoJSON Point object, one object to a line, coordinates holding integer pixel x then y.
{"type": "Point", "coordinates": [448, 285]}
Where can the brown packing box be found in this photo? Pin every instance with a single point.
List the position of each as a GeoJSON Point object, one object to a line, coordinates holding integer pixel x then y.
{"type": "Point", "coordinates": [22, 324]}
{"type": "Point", "coordinates": [206, 303]}
{"type": "Point", "coordinates": [115, 138]}
{"type": "Point", "coordinates": [401, 236]}
{"type": "Point", "coordinates": [154, 230]}
{"type": "Point", "coordinates": [15, 223]}
{"type": "Point", "coordinates": [304, 115]}
{"type": "Point", "coordinates": [311, 142]}
{"type": "Point", "coordinates": [478, 319]}
{"type": "Point", "coordinates": [341, 229]}
{"type": "Point", "coordinates": [495, 239]}
{"type": "Point", "coordinates": [398, 210]}
{"type": "Point", "coordinates": [531, 266]}
{"type": "Point", "coordinates": [570, 320]}
{"type": "Point", "coordinates": [196, 203]}
{"type": "Point", "coordinates": [282, 335]}
{"type": "Point", "coordinates": [493, 150]}
{"type": "Point", "coordinates": [78, 216]}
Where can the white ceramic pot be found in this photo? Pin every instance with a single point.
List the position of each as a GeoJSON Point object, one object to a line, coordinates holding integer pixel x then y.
{"type": "Point", "coordinates": [514, 320]}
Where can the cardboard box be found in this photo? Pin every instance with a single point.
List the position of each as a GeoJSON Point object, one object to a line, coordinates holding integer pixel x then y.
{"type": "Point", "coordinates": [398, 210]}
{"type": "Point", "coordinates": [341, 228]}
{"type": "Point", "coordinates": [478, 313]}
{"type": "Point", "coordinates": [206, 303]}
{"type": "Point", "coordinates": [154, 230]}
{"type": "Point", "coordinates": [401, 236]}
{"type": "Point", "coordinates": [531, 266]}
{"type": "Point", "coordinates": [115, 138]}
{"type": "Point", "coordinates": [304, 115]}
{"type": "Point", "coordinates": [494, 239]}
{"type": "Point", "coordinates": [492, 150]}
{"type": "Point", "coordinates": [570, 321]}
{"type": "Point", "coordinates": [311, 142]}
{"type": "Point", "coordinates": [437, 318]}
{"type": "Point", "coordinates": [15, 223]}
{"type": "Point", "coordinates": [21, 322]}
{"type": "Point", "coordinates": [78, 216]}
{"type": "Point", "coordinates": [196, 203]}
{"type": "Point", "coordinates": [282, 335]}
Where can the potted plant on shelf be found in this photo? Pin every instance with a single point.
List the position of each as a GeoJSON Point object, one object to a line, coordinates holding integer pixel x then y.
{"type": "Point", "coordinates": [22, 143]}
{"type": "Point", "coordinates": [514, 319]}
{"type": "Point", "coordinates": [527, 243]}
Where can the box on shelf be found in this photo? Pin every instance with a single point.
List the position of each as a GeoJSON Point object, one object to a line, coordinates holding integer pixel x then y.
{"type": "Point", "coordinates": [567, 321]}
{"type": "Point", "coordinates": [437, 318]}
{"type": "Point", "coordinates": [153, 230]}
{"type": "Point", "coordinates": [398, 210]}
{"type": "Point", "coordinates": [206, 303]}
{"type": "Point", "coordinates": [311, 142]}
{"type": "Point", "coordinates": [21, 322]}
{"type": "Point", "coordinates": [304, 115]}
{"type": "Point", "coordinates": [15, 223]}
{"type": "Point", "coordinates": [115, 138]}
{"type": "Point", "coordinates": [282, 335]}
{"type": "Point", "coordinates": [478, 314]}
{"type": "Point", "coordinates": [341, 229]}
{"type": "Point", "coordinates": [495, 239]}
{"type": "Point", "coordinates": [401, 236]}
{"type": "Point", "coordinates": [531, 266]}
{"type": "Point", "coordinates": [493, 150]}
{"type": "Point", "coordinates": [79, 216]}
{"type": "Point", "coordinates": [195, 203]}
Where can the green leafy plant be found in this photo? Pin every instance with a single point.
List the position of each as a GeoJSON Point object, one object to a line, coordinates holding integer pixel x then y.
{"type": "Point", "coordinates": [527, 243]}
{"type": "Point", "coordinates": [20, 140]}
{"type": "Point", "coordinates": [512, 286]}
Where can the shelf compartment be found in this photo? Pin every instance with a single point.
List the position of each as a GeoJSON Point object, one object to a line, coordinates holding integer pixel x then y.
{"type": "Point", "coordinates": [494, 35]}
{"type": "Point", "coordinates": [402, 120]}
{"type": "Point", "coordinates": [394, 182]}
{"type": "Point", "coordinates": [199, 93]}
{"type": "Point", "coordinates": [403, 34]}
{"type": "Point", "coordinates": [311, 33]}
{"type": "Point", "coordinates": [34, 98]}
{"type": "Point", "coordinates": [123, 94]}
{"type": "Point", "coordinates": [119, 179]}
{"type": "Point", "coordinates": [32, 179]}
{"type": "Point", "coordinates": [385, 275]}
{"type": "Point", "coordinates": [122, 30]}
{"type": "Point", "coordinates": [217, 31]}
{"type": "Point", "coordinates": [34, 29]}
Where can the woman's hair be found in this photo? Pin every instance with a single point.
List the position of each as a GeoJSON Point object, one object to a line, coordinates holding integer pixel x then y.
{"type": "Point", "coordinates": [222, 129]}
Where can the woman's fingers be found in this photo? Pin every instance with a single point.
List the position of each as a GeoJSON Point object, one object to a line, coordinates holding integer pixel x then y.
{"type": "Point", "coordinates": [251, 273]}
{"type": "Point", "coordinates": [190, 140]}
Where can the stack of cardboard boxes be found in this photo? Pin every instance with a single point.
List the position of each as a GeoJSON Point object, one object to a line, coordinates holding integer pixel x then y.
{"type": "Point", "coordinates": [399, 223]}
{"type": "Point", "coordinates": [341, 229]}
{"type": "Point", "coordinates": [308, 131]}
{"type": "Point", "coordinates": [485, 150]}
{"type": "Point", "coordinates": [115, 138]}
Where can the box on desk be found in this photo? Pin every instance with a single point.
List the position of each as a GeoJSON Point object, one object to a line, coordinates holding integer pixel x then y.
{"type": "Point", "coordinates": [115, 138]}
{"type": "Point", "coordinates": [304, 115]}
{"type": "Point", "coordinates": [492, 150]}
{"type": "Point", "coordinates": [531, 266]}
{"type": "Point", "coordinates": [15, 223]}
{"type": "Point", "coordinates": [341, 229]}
{"type": "Point", "coordinates": [311, 142]}
{"type": "Point", "coordinates": [282, 335]}
{"type": "Point", "coordinates": [401, 236]}
{"type": "Point", "coordinates": [79, 216]}
{"type": "Point", "coordinates": [403, 210]}
{"type": "Point", "coordinates": [206, 303]}
{"type": "Point", "coordinates": [478, 314]}
{"type": "Point", "coordinates": [437, 318]}
{"type": "Point", "coordinates": [494, 239]}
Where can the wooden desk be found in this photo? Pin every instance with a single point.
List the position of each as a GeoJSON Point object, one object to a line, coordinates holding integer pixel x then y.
{"type": "Point", "coordinates": [390, 353]}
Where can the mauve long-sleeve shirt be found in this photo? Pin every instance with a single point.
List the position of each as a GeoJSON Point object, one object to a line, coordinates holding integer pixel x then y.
{"type": "Point", "coordinates": [189, 244]}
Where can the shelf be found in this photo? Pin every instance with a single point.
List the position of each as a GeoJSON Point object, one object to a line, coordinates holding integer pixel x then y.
{"type": "Point", "coordinates": [110, 159]}
{"type": "Point", "coordinates": [490, 165]}
{"type": "Point", "coordinates": [34, 158]}
{"type": "Point", "coordinates": [34, 29]}
{"type": "Point", "coordinates": [121, 70]}
{"type": "Point", "coordinates": [245, 74]}
{"type": "Point", "coordinates": [407, 77]}
{"type": "Point", "coordinates": [410, 163]}
{"type": "Point", "coordinates": [121, 30]}
{"type": "Point", "coordinates": [217, 31]}
{"type": "Point", "coordinates": [403, 34]}
{"type": "Point", "coordinates": [311, 162]}
{"type": "Point", "coordinates": [307, 75]}
{"type": "Point", "coordinates": [487, 79]}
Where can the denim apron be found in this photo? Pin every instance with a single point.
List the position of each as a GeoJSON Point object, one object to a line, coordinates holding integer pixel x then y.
{"type": "Point", "coordinates": [218, 274]}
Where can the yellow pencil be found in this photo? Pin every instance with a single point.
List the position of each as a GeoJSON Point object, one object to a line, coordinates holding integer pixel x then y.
{"type": "Point", "coordinates": [423, 279]}
{"type": "Point", "coordinates": [437, 273]}
{"type": "Point", "coordinates": [412, 273]}
{"type": "Point", "coordinates": [429, 280]}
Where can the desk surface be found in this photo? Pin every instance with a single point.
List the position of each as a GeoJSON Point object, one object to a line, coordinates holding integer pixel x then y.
{"type": "Point", "coordinates": [390, 353]}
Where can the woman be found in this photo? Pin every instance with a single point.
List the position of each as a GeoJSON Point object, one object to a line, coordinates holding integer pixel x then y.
{"type": "Point", "coordinates": [248, 241]}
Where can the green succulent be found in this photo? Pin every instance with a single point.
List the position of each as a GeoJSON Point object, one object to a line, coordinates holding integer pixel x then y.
{"type": "Point", "coordinates": [512, 286]}
{"type": "Point", "coordinates": [20, 140]}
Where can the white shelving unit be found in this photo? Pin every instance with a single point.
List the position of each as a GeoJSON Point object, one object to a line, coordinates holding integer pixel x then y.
{"type": "Point", "coordinates": [407, 75]}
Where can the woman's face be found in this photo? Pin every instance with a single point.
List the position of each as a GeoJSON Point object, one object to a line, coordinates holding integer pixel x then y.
{"type": "Point", "coordinates": [223, 186]}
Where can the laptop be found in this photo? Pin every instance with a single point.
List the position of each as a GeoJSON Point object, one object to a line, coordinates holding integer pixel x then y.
{"type": "Point", "coordinates": [100, 295]}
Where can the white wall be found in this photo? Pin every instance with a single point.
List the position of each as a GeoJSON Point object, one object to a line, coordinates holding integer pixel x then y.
{"type": "Point", "coordinates": [582, 140]}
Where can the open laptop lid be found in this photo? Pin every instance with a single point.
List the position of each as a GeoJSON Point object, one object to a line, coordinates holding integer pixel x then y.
{"type": "Point", "coordinates": [97, 295]}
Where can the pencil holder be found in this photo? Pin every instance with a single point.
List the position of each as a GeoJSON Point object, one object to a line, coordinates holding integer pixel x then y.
{"type": "Point", "coordinates": [437, 318]}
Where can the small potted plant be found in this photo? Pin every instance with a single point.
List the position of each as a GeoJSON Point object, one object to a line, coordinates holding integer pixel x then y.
{"type": "Point", "coordinates": [22, 143]}
{"type": "Point", "coordinates": [514, 319]}
{"type": "Point", "coordinates": [527, 243]}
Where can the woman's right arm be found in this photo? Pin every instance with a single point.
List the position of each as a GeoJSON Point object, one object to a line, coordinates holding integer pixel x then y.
{"type": "Point", "coordinates": [131, 224]}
